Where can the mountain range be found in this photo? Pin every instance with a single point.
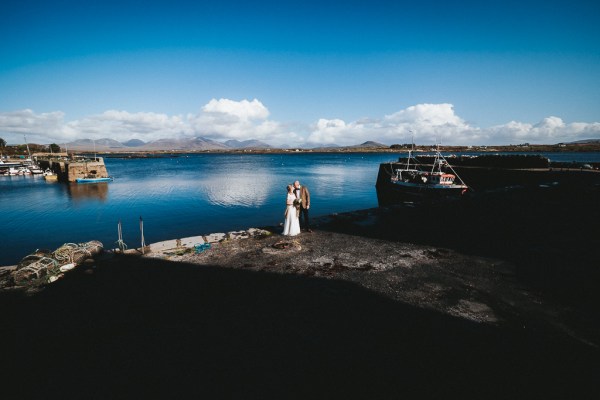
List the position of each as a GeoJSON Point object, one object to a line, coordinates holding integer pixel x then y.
{"type": "Point", "coordinates": [192, 144]}
{"type": "Point", "coordinates": [188, 144]}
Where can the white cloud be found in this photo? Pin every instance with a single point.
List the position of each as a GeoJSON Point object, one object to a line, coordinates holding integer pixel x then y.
{"type": "Point", "coordinates": [229, 119]}
{"type": "Point", "coordinates": [430, 123]}
{"type": "Point", "coordinates": [28, 122]}
{"type": "Point", "coordinates": [122, 125]}
{"type": "Point", "coordinates": [438, 123]}
{"type": "Point", "coordinates": [243, 110]}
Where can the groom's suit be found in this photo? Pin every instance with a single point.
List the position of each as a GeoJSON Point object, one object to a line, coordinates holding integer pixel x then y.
{"type": "Point", "coordinates": [304, 194]}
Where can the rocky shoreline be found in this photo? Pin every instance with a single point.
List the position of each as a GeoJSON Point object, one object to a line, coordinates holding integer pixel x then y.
{"type": "Point", "coordinates": [378, 303]}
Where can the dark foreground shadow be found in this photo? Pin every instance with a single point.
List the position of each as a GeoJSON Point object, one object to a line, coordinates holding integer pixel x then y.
{"type": "Point", "coordinates": [550, 233]}
{"type": "Point", "coordinates": [148, 328]}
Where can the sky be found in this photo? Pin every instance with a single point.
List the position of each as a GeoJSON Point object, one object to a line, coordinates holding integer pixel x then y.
{"type": "Point", "coordinates": [301, 73]}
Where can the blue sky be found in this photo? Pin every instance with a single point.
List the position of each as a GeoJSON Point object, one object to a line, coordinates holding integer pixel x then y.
{"type": "Point", "coordinates": [301, 73]}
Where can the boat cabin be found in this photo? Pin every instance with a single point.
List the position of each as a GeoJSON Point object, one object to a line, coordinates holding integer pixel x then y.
{"type": "Point", "coordinates": [441, 179]}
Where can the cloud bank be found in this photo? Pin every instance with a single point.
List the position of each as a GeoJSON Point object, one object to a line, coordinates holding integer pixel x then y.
{"type": "Point", "coordinates": [242, 120]}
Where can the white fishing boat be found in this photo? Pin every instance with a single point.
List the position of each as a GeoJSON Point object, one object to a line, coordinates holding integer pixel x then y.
{"type": "Point", "coordinates": [19, 171]}
{"type": "Point", "coordinates": [49, 175]}
{"type": "Point", "coordinates": [409, 179]}
{"type": "Point", "coordinates": [35, 169]}
{"type": "Point", "coordinates": [439, 179]}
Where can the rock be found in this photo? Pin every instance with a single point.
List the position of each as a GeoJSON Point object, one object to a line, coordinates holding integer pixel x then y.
{"type": "Point", "coordinates": [214, 237]}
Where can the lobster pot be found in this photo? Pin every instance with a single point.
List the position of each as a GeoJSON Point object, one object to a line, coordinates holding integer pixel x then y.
{"type": "Point", "coordinates": [37, 267]}
{"type": "Point", "coordinates": [77, 253]}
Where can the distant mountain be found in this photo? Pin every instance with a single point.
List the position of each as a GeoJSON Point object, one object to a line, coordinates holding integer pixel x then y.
{"type": "Point", "coordinates": [320, 146]}
{"type": "Point", "coordinates": [203, 144]}
{"type": "Point", "coordinates": [109, 143]}
{"type": "Point", "coordinates": [197, 143]}
{"type": "Point", "coordinates": [370, 143]}
{"type": "Point", "coordinates": [585, 141]}
{"type": "Point", "coordinates": [99, 145]}
{"type": "Point", "coordinates": [134, 143]}
{"type": "Point", "coordinates": [106, 145]}
{"type": "Point", "coordinates": [247, 144]}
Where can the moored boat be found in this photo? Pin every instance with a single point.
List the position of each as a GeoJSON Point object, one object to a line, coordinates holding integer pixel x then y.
{"type": "Point", "coordinates": [93, 180]}
{"type": "Point", "coordinates": [410, 180]}
{"type": "Point", "coordinates": [50, 176]}
{"type": "Point", "coordinates": [19, 171]}
{"type": "Point", "coordinates": [35, 169]}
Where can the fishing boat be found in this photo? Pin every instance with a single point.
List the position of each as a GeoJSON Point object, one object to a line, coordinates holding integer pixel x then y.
{"type": "Point", "coordinates": [93, 180]}
{"type": "Point", "coordinates": [35, 169]}
{"type": "Point", "coordinates": [50, 176]}
{"type": "Point", "coordinates": [19, 171]}
{"type": "Point", "coordinates": [411, 180]}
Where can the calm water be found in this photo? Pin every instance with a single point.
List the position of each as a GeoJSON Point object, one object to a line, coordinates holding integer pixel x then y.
{"type": "Point", "coordinates": [178, 197]}
{"type": "Point", "coordinates": [184, 196]}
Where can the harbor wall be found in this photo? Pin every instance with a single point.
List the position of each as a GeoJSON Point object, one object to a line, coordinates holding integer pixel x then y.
{"type": "Point", "coordinates": [485, 179]}
{"type": "Point", "coordinates": [69, 171]}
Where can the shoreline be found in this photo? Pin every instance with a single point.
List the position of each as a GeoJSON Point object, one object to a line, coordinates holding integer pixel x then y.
{"type": "Point", "coordinates": [354, 246]}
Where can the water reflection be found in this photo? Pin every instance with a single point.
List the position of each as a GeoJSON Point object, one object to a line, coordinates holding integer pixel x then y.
{"type": "Point", "coordinates": [240, 189]}
{"type": "Point", "coordinates": [90, 191]}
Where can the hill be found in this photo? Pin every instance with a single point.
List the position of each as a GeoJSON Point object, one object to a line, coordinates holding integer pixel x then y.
{"type": "Point", "coordinates": [134, 143]}
{"type": "Point", "coordinates": [193, 144]}
{"type": "Point", "coordinates": [247, 144]}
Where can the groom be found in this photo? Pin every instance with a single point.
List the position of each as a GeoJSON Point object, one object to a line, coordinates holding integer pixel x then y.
{"type": "Point", "coordinates": [303, 194]}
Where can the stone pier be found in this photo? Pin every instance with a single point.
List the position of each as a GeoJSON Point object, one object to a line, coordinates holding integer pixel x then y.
{"type": "Point", "coordinates": [70, 170]}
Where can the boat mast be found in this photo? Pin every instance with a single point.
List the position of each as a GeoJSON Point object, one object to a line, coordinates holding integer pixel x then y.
{"type": "Point", "coordinates": [26, 144]}
{"type": "Point", "coordinates": [411, 149]}
{"type": "Point", "coordinates": [436, 161]}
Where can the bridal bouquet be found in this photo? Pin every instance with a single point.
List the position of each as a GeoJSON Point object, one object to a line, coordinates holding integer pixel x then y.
{"type": "Point", "coordinates": [297, 203]}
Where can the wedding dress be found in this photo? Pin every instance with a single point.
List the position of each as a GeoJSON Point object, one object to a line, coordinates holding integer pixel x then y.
{"type": "Point", "coordinates": [291, 226]}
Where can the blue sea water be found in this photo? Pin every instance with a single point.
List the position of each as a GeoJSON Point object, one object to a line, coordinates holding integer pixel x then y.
{"type": "Point", "coordinates": [184, 196]}
{"type": "Point", "coordinates": [178, 197]}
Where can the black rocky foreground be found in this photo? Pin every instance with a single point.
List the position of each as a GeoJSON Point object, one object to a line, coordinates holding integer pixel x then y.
{"type": "Point", "coordinates": [141, 328]}
{"type": "Point", "coordinates": [267, 326]}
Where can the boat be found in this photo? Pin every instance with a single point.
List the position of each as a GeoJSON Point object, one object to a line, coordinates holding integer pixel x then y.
{"type": "Point", "coordinates": [19, 171]}
{"type": "Point", "coordinates": [35, 169]}
{"type": "Point", "coordinates": [13, 171]}
{"type": "Point", "coordinates": [50, 176]}
{"type": "Point", "coordinates": [410, 180]}
{"type": "Point", "coordinates": [93, 180]}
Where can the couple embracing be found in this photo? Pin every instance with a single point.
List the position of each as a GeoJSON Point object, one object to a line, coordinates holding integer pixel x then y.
{"type": "Point", "coordinates": [297, 204]}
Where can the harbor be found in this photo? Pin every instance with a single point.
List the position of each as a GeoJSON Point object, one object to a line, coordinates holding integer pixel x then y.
{"type": "Point", "coordinates": [64, 167]}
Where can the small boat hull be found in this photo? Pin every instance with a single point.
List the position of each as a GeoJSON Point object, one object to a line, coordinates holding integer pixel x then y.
{"type": "Point", "coordinates": [93, 180]}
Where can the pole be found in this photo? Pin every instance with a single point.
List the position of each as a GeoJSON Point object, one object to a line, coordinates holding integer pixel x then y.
{"type": "Point", "coordinates": [120, 242]}
{"type": "Point", "coordinates": [142, 233]}
{"type": "Point", "coordinates": [27, 144]}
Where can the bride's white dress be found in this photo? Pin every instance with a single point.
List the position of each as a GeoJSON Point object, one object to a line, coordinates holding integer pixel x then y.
{"type": "Point", "coordinates": [292, 223]}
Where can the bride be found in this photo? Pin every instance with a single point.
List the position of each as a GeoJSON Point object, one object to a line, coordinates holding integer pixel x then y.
{"type": "Point", "coordinates": [292, 224]}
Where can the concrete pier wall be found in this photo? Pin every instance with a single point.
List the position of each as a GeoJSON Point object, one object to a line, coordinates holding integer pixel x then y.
{"type": "Point", "coordinates": [69, 171]}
